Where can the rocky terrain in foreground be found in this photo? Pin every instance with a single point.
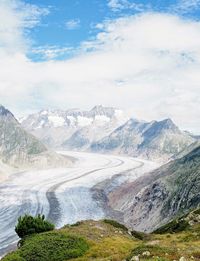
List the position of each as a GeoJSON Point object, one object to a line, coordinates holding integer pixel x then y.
{"type": "Point", "coordinates": [108, 240]}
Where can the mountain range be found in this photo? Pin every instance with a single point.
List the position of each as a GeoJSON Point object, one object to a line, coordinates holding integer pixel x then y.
{"type": "Point", "coordinates": [72, 128]}
{"type": "Point", "coordinates": [108, 130]}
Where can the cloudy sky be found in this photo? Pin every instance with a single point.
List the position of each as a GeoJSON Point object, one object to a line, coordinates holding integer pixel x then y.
{"type": "Point", "coordinates": [141, 56]}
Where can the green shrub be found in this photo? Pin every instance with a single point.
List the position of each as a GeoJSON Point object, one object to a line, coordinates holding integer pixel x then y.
{"type": "Point", "coordinates": [173, 227]}
{"type": "Point", "coordinates": [28, 225]}
{"type": "Point", "coordinates": [115, 224]}
{"type": "Point", "coordinates": [139, 235]}
{"type": "Point", "coordinates": [15, 256]}
{"type": "Point", "coordinates": [51, 246]}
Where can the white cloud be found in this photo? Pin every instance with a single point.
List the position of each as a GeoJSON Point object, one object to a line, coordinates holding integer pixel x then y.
{"type": "Point", "coordinates": [185, 6]}
{"type": "Point", "coordinates": [118, 5]}
{"type": "Point", "coordinates": [72, 24]}
{"type": "Point", "coordinates": [16, 18]}
{"type": "Point", "coordinates": [51, 52]}
{"type": "Point", "coordinates": [148, 65]}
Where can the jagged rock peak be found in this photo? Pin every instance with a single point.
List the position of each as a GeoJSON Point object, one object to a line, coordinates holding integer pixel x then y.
{"type": "Point", "coordinates": [165, 124]}
{"type": "Point", "coordinates": [168, 123]}
{"type": "Point", "coordinates": [101, 110]}
{"type": "Point", "coordinates": [5, 112]}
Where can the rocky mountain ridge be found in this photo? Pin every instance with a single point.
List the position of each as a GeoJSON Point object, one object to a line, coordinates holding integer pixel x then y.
{"type": "Point", "coordinates": [74, 128]}
{"type": "Point", "coordinates": [156, 140]}
{"type": "Point", "coordinates": [156, 198]}
{"type": "Point", "coordinates": [108, 130]}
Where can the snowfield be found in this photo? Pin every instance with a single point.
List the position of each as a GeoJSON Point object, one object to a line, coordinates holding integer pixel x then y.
{"type": "Point", "coordinates": [63, 195]}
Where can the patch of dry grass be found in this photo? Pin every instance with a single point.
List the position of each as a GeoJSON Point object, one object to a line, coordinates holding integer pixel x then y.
{"type": "Point", "coordinates": [110, 243]}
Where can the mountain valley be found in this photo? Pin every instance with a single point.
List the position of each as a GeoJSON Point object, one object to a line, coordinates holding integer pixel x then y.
{"type": "Point", "coordinates": [141, 174]}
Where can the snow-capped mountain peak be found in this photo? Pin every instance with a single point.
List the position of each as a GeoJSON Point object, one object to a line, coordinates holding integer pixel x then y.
{"type": "Point", "coordinates": [75, 117]}
{"type": "Point", "coordinates": [107, 129]}
{"type": "Point", "coordinates": [54, 127]}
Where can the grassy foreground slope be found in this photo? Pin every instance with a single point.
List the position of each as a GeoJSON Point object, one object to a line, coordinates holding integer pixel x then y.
{"type": "Point", "coordinates": [109, 241]}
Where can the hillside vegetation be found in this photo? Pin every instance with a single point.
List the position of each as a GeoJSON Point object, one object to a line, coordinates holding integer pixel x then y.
{"type": "Point", "coordinates": [109, 241]}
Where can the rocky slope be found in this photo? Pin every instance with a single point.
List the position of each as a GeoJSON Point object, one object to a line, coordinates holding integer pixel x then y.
{"type": "Point", "coordinates": [162, 195]}
{"type": "Point", "coordinates": [157, 140]}
{"type": "Point", "coordinates": [18, 148]}
{"type": "Point", "coordinates": [187, 150]}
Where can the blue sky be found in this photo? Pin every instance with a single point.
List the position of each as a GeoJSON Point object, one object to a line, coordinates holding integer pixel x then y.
{"type": "Point", "coordinates": [140, 56]}
{"type": "Point", "coordinates": [69, 22]}
{"type": "Point", "coordinates": [84, 15]}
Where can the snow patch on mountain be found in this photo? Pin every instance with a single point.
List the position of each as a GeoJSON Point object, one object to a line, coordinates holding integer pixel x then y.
{"type": "Point", "coordinates": [56, 120]}
{"type": "Point", "coordinates": [74, 128]}
{"type": "Point", "coordinates": [84, 121]}
{"type": "Point", "coordinates": [99, 119]}
{"type": "Point", "coordinates": [110, 130]}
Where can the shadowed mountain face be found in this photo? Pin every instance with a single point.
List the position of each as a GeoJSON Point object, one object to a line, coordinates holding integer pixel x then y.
{"type": "Point", "coordinates": [5, 112]}
{"type": "Point", "coordinates": [158, 197]}
{"type": "Point", "coordinates": [16, 145]}
{"type": "Point", "coordinates": [18, 148]}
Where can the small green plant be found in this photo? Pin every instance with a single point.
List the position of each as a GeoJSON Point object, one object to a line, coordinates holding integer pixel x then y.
{"type": "Point", "coordinates": [139, 235]}
{"type": "Point", "coordinates": [115, 224]}
{"type": "Point", "coordinates": [28, 225]}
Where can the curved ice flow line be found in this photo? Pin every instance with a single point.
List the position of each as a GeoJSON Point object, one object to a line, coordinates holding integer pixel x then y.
{"type": "Point", "coordinates": [54, 197]}
{"type": "Point", "coordinates": [35, 195]}
{"type": "Point", "coordinates": [27, 192]}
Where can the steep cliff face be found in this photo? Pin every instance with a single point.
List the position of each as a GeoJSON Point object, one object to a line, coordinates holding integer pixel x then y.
{"type": "Point", "coordinates": [160, 196]}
